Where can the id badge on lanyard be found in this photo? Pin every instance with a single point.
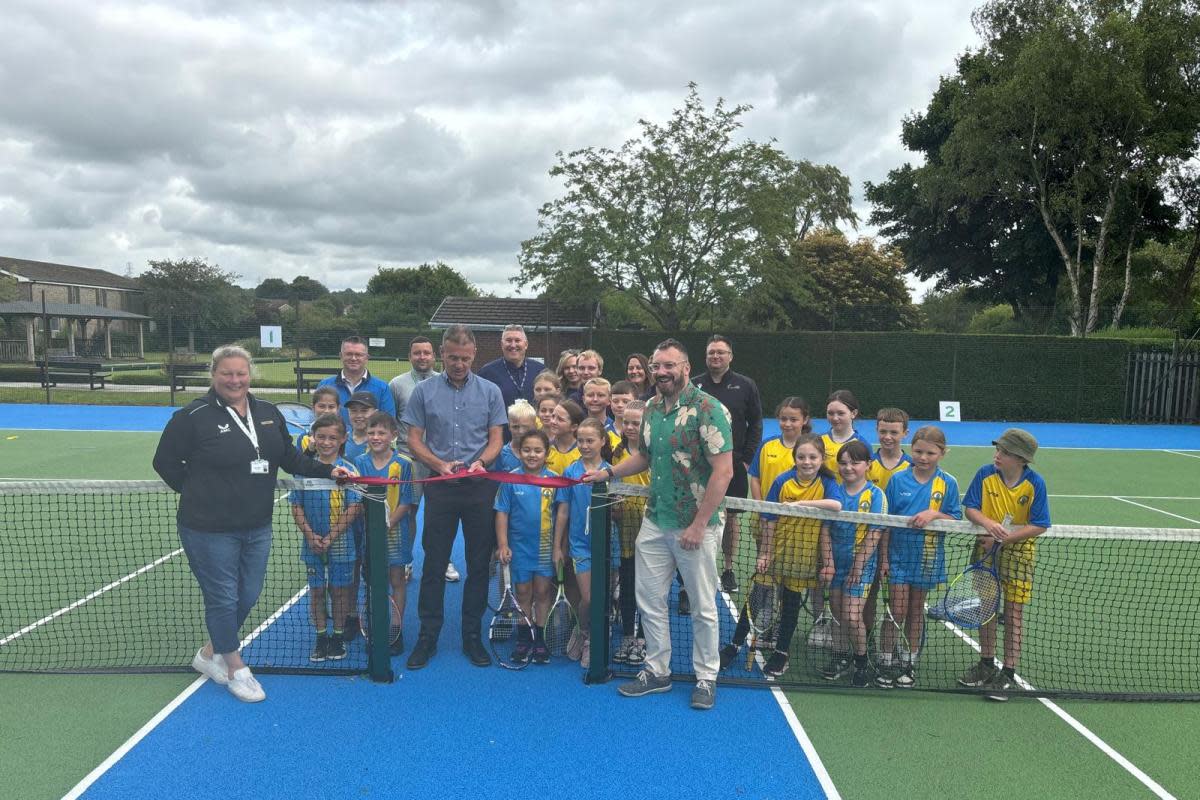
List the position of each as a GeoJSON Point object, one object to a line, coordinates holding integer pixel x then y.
{"type": "Point", "coordinates": [259, 466]}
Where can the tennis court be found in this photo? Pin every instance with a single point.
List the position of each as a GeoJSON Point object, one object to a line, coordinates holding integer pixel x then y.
{"type": "Point", "coordinates": [386, 740]}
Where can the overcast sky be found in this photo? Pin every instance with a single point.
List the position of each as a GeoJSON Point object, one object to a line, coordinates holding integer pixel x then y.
{"type": "Point", "coordinates": [325, 139]}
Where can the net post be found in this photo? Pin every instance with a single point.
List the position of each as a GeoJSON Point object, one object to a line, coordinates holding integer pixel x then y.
{"type": "Point", "coordinates": [379, 661]}
{"type": "Point", "coordinates": [598, 671]}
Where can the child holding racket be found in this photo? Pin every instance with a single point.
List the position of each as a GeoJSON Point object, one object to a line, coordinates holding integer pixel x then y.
{"type": "Point", "coordinates": [891, 427]}
{"type": "Point", "coordinates": [1007, 489]}
{"type": "Point", "coordinates": [564, 421]}
{"type": "Point", "coordinates": [841, 409]}
{"type": "Point", "coordinates": [572, 530]}
{"type": "Point", "coordinates": [381, 461]}
{"type": "Point", "coordinates": [916, 558]}
{"type": "Point", "coordinates": [789, 553]}
{"type": "Point", "coordinates": [521, 418]}
{"type": "Point", "coordinates": [525, 517]}
{"type": "Point", "coordinates": [853, 551]}
{"type": "Point", "coordinates": [324, 401]}
{"type": "Point", "coordinates": [632, 647]}
{"type": "Point", "coordinates": [324, 517]}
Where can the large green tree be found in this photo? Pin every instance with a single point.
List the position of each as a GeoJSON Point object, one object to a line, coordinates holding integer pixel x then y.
{"type": "Point", "coordinates": [195, 294]}
{"type": "Point", "coordinates": [681, 218]}
{"type": "Point", "coordinates": [1055, 135]}
{"type": "Point", "coordinates": [830, 282]}
{"type": "Point", "coordinates": [410, 295]}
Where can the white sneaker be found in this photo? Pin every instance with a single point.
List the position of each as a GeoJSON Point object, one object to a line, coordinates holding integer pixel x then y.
{"type": "Point", "coordinates": [585, 652]}
{"type": "Point", "coordinates": [213, 668]}
{"type": "Point", "coordinates": [452, 573]}
{"type": "Point", "coordinates": [245, 687]}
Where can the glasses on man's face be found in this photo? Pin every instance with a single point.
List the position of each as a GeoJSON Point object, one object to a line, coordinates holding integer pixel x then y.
{"type": "Point", "coordinates": [720, 352]}
{"type": "Point", "coordinates": [665, 366]}
{"type": "Point", "coordinates": [354, 356]}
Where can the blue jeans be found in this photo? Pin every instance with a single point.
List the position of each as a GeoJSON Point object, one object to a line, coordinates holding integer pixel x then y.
{"type": "Point", "coordinates": [230, 568]}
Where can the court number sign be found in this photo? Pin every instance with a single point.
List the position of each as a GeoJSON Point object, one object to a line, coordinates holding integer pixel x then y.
{"type": "Point", "coordinates": [949, 411]}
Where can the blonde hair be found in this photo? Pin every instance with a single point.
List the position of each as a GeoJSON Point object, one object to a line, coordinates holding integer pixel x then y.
{"type": "Point", "coordinates": [546, 376]}
{"type": "Point", "coordinates": [521, 409]}
{"type": "Point", "coordinates": [592, 355]}
{"type": "Point", "coordinates": [601, 382]}
{"type": "Point", "coordinates": [931, 434]}
{"type": "Point", "coordinates": [229, 351]}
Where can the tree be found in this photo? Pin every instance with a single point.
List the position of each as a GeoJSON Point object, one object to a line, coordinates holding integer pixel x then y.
{"type": "Point", "coordinates": [681, 218]}
{"type": "Point", "coordinates": [198, 295]}
{"type": "Point", "coordinates": [410, 295]}
{"type": "Point", "coordinates": [1054, 135]}
{"type": "Point", "coordinates": [306, 288]}
{"type": "Point", "coordinates": [833, 283]}
{"type": "Point", "coordinates": [273, 289]}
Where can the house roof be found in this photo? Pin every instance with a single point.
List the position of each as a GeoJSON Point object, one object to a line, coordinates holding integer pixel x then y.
{"type": "Point", "coordinates": [493, 313]}
{"type": "Point", "coordinates": [44, 272]}
{"type": "Point", "coordinates": [33, 308]}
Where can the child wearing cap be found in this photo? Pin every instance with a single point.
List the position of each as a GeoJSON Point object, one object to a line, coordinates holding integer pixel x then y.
{"type": "Point", "coordinates": [359, 408]}
{"type": "Point", "coordinates": [1009, 501]}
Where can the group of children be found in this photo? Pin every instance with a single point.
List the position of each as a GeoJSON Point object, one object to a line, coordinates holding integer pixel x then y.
{"type": "Point", "coordinates": [333, 523]}
{"type": "Point", "coordinates": [806, 559]}
{"type": "Point", "coordinates": [541, 532]}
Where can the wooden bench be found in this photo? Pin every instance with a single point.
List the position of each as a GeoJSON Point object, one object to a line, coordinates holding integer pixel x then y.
{"type": "Point", "coordinates": [305, 380]}
{"type": "Point", "coordinates": [71, 370]}
{"type": "Point", "coordinates": [183, 374]}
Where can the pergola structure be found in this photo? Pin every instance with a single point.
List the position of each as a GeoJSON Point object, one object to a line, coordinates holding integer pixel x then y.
{"type": "Point", "coordinates": [70, 313]}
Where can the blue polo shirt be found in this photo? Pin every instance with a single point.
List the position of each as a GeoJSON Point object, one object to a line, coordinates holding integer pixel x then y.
{"type": "Point", "coordinates": [376, 386]}
{"type": "Point", "coordinates": [456, 421]}
{"type": "Point", "coordinates": [513, 383]}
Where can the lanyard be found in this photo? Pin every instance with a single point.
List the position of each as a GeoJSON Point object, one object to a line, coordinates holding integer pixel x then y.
{"type": "Point", "coordinates": [247, 427]}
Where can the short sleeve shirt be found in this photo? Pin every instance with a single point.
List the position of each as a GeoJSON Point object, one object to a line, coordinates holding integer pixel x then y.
{"type": "Point", "coordinates": [678, 444]}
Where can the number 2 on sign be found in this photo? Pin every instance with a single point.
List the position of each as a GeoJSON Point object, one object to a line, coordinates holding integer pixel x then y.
{"type": "Point", "coordinates": [950, 411]}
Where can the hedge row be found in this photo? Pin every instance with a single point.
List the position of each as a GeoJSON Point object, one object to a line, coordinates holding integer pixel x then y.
{"type": "Point", "coordinates": [995, 377]}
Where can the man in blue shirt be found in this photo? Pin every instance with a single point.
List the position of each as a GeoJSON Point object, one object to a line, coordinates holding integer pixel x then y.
{"type": "Point", "coordinates": [355, 378]}
{"type": "Point", "coordinates": [455, 424]}
{"type": "Point", "coordinates": [514, 373]}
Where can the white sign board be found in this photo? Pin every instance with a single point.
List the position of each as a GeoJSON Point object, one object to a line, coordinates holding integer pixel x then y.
{"type": "Point", "coordinates": [949, 411]}
{"type": "Point", "coordinates": [271, 336]}
{"type": "Point", "coordinates": [375, 342]}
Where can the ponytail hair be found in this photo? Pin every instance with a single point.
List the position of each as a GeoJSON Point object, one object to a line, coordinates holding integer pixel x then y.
{"type": "Point", "coordinates": [817, 441]}
{"type": "Point", "coordinates": [593, 424]}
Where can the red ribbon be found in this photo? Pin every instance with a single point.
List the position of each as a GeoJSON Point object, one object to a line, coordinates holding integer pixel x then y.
{"type": "Point", "coordinates": [548, 481]}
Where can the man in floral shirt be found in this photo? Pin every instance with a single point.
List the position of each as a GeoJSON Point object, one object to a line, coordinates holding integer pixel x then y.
{"type": "Point", "coordinates": [687, 444]}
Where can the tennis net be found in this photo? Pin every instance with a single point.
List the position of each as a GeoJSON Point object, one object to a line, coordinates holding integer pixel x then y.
{"type": "Point", "coordinates": [93, 578]}
{"type": "Point", "coordinates": [1111, 612]}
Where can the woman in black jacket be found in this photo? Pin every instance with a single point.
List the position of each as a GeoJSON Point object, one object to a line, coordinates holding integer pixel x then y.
{"type": "Point", "coordinates": [222, 453]}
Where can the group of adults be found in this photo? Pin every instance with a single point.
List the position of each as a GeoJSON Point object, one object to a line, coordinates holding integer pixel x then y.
{"type": "Point", "coordinates": [222, 453]}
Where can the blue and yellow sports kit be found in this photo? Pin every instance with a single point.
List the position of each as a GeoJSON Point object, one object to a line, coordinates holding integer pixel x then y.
{"type": "Point", "coordinates": [795, 550]}
{"type": "Point", "coordinates": [879, 474]}
{"type": "Point", "coordinates": [557, 461]}
{"type": "Point", "coordinates": [630, 511]}
{"type": "Point", "coordinates": [772, 460]}
{"type": "Point", "coordinates": [351, 450]}
{"type": "Point", "coordinates": [1026, 503]}
{"type": "Point", "coordinates": [917, 558]}
{"type": "Point", "coordinates": [322, 509]}
{"type": "Point", "coordinates": [831, 451]}
{"type": "Point", "coordinates": [507, 461]}
{"type": "Point", "coordinates": [579, 505]}
{"type": "Point", "coordinates": [400, 539]}
{"type": "Point", "coordinates": [847, 538]}
{"type": "Point", "coordinates": [531, 511]}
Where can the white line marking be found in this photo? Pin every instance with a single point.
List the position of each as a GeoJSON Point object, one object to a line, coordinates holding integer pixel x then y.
{"type": "Point", "coordinates": [1182, 453]}
{"type": "Point", "coordinates": [166, 711]}
{"type": "Point", "coordinates": [77, 430]}
{"type": "Point", "coordinates": [789, 715]}
{"type": "Point", "coordinates": [1115, 497]}
{"type": "Point", "coordinates": [1104, 747]}
{"type": "Point", "coordinates": [1159, 510]}
{"type": "Point", "coordinates": [65, 609]}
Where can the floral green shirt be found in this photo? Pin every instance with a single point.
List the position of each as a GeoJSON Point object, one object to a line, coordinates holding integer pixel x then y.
{"type": "Point", "coordinates": [678, 443]}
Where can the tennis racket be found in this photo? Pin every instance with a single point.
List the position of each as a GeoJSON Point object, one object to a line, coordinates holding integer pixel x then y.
{"type": "Point", "coordinates": [892, 651]}
{"type": "Point", "coordinates": [495, 585]}
{"type": "Point", "coordinates": [506, 626]}
{"type": "Point", "coordinates": [823, 639]}
{"type": "Point", "coordinates": [395, 623]}
{"type": "Point", "coordinates": [298, 417]}
{"type": "Point", "coordinates": [560, 622]}
{"type": "Point", "coordinates": [762, 611]}
{"type": "Point", "coordinates": [973, 598]}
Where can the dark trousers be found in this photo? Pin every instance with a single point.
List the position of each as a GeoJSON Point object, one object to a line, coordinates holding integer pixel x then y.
{"type": "Point", "coordinates": [468, 501]}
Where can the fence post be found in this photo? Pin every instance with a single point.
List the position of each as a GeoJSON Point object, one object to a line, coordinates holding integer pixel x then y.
{"type": "Point", "coordinates": [379, 662]}
{"type": "Point", "coordinates": [297, 335]}
{"type": "Point", "coordinates": [45, 349]}
{"type": "Point", "coordinates": [171, 352]}
{"type": "Point", "coordinates": [599, 524]}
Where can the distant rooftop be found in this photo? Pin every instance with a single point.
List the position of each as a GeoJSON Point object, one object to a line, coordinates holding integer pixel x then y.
{"type": "Point", "coordinates": [493, 313]}
{"type": "Point", "coordinates": [43, 272]}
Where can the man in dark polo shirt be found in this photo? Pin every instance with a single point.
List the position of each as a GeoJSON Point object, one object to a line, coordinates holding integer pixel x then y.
{"type": "Point", "coordinates": [739, 395]}
{"type": "Point", "coordinates": [513, 373]}
{"type": "Point", "coordinates": [454, 426]}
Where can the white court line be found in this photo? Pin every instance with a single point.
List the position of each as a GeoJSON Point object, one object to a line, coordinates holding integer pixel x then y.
{"type": "Point", "coordinates": [75, 430]}
{"type": "Point", "coordinates": [789, 714]}
{"type": "Point", "coordinates": [1104, 747]}
{"type": "Point", "coordinates": [166, 711]}
{"type": "Point", "coordinates": [1115, 497]}
{"type": "Point", "coordinates": [1182, 453]}
{"type": "Point", "coordinates": [65, 609]}
{"type": "Point", "coordinates": [1159, 510]}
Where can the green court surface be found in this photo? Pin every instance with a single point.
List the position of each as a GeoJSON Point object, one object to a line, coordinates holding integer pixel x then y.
{"type": "Point", "coordinates": [874, 744]}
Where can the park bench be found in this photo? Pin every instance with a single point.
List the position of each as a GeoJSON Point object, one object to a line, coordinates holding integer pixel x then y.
{"type": "Point", "coordinates": [72, 370]}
